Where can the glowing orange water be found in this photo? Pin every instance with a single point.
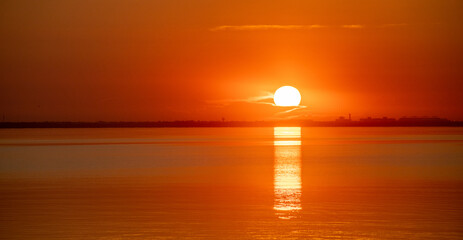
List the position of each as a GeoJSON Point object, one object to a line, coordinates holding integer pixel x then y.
{"type": "Point", "coordinates": [287, 173]}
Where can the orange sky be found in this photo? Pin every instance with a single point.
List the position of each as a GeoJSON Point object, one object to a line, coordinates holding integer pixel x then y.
{"type": "Point", "coordinates": [177, 60]}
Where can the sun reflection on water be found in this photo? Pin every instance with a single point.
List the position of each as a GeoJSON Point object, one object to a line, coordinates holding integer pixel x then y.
{"type": "Point", "coordinates": [287, 175]}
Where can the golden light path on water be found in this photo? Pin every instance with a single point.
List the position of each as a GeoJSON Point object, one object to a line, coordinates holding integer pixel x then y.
{"type": "Point", "coordinates": [287, 172]}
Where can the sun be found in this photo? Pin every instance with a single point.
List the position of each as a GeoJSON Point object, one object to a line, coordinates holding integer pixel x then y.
{"type": "Point", "coordinates": [287, 96]}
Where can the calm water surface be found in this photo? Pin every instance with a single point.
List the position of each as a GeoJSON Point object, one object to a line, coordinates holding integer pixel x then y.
{"type": "Point", "coordinates": [231, 183]}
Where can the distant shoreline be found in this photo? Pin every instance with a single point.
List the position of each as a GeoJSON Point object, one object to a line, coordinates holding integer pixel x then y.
{"type": "Point", "coordinates": [201, 124]}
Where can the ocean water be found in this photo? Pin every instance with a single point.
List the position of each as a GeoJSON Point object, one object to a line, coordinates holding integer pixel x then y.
{"type": "Point", "coordinates": [231, 183]}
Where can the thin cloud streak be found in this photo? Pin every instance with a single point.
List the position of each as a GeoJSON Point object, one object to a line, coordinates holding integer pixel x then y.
{"type": "Point", "coordinates": [293, 113]}
{"type": "Point", "coordinates": [353, 26]}
{"type": "Point", "coordinates": [299, 27]}
{"type": "Point", "coordinates": [292, 110]}
{"type": "Point", "coordinates": [264, 27]}
{"type": "Point", "coordinates": [256, 99]}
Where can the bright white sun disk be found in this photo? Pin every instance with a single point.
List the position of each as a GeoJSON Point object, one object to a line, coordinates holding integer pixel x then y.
{"type": "Point", "coordinates": [287, 96]}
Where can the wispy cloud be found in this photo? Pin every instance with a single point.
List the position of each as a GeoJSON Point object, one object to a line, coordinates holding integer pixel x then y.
{"type": "Point", "coordinates": [353, 26]}
{"type": "Point", "coordinates": [264, 27]}
{"type": "Point", "coordinates": [300, 27]}
{"type": "Point", "coordinates": [267, 99]}
{"type": "Point", "coordinates": [291, 110]}
{"type": "Point", "coordinates": [263, 99]}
